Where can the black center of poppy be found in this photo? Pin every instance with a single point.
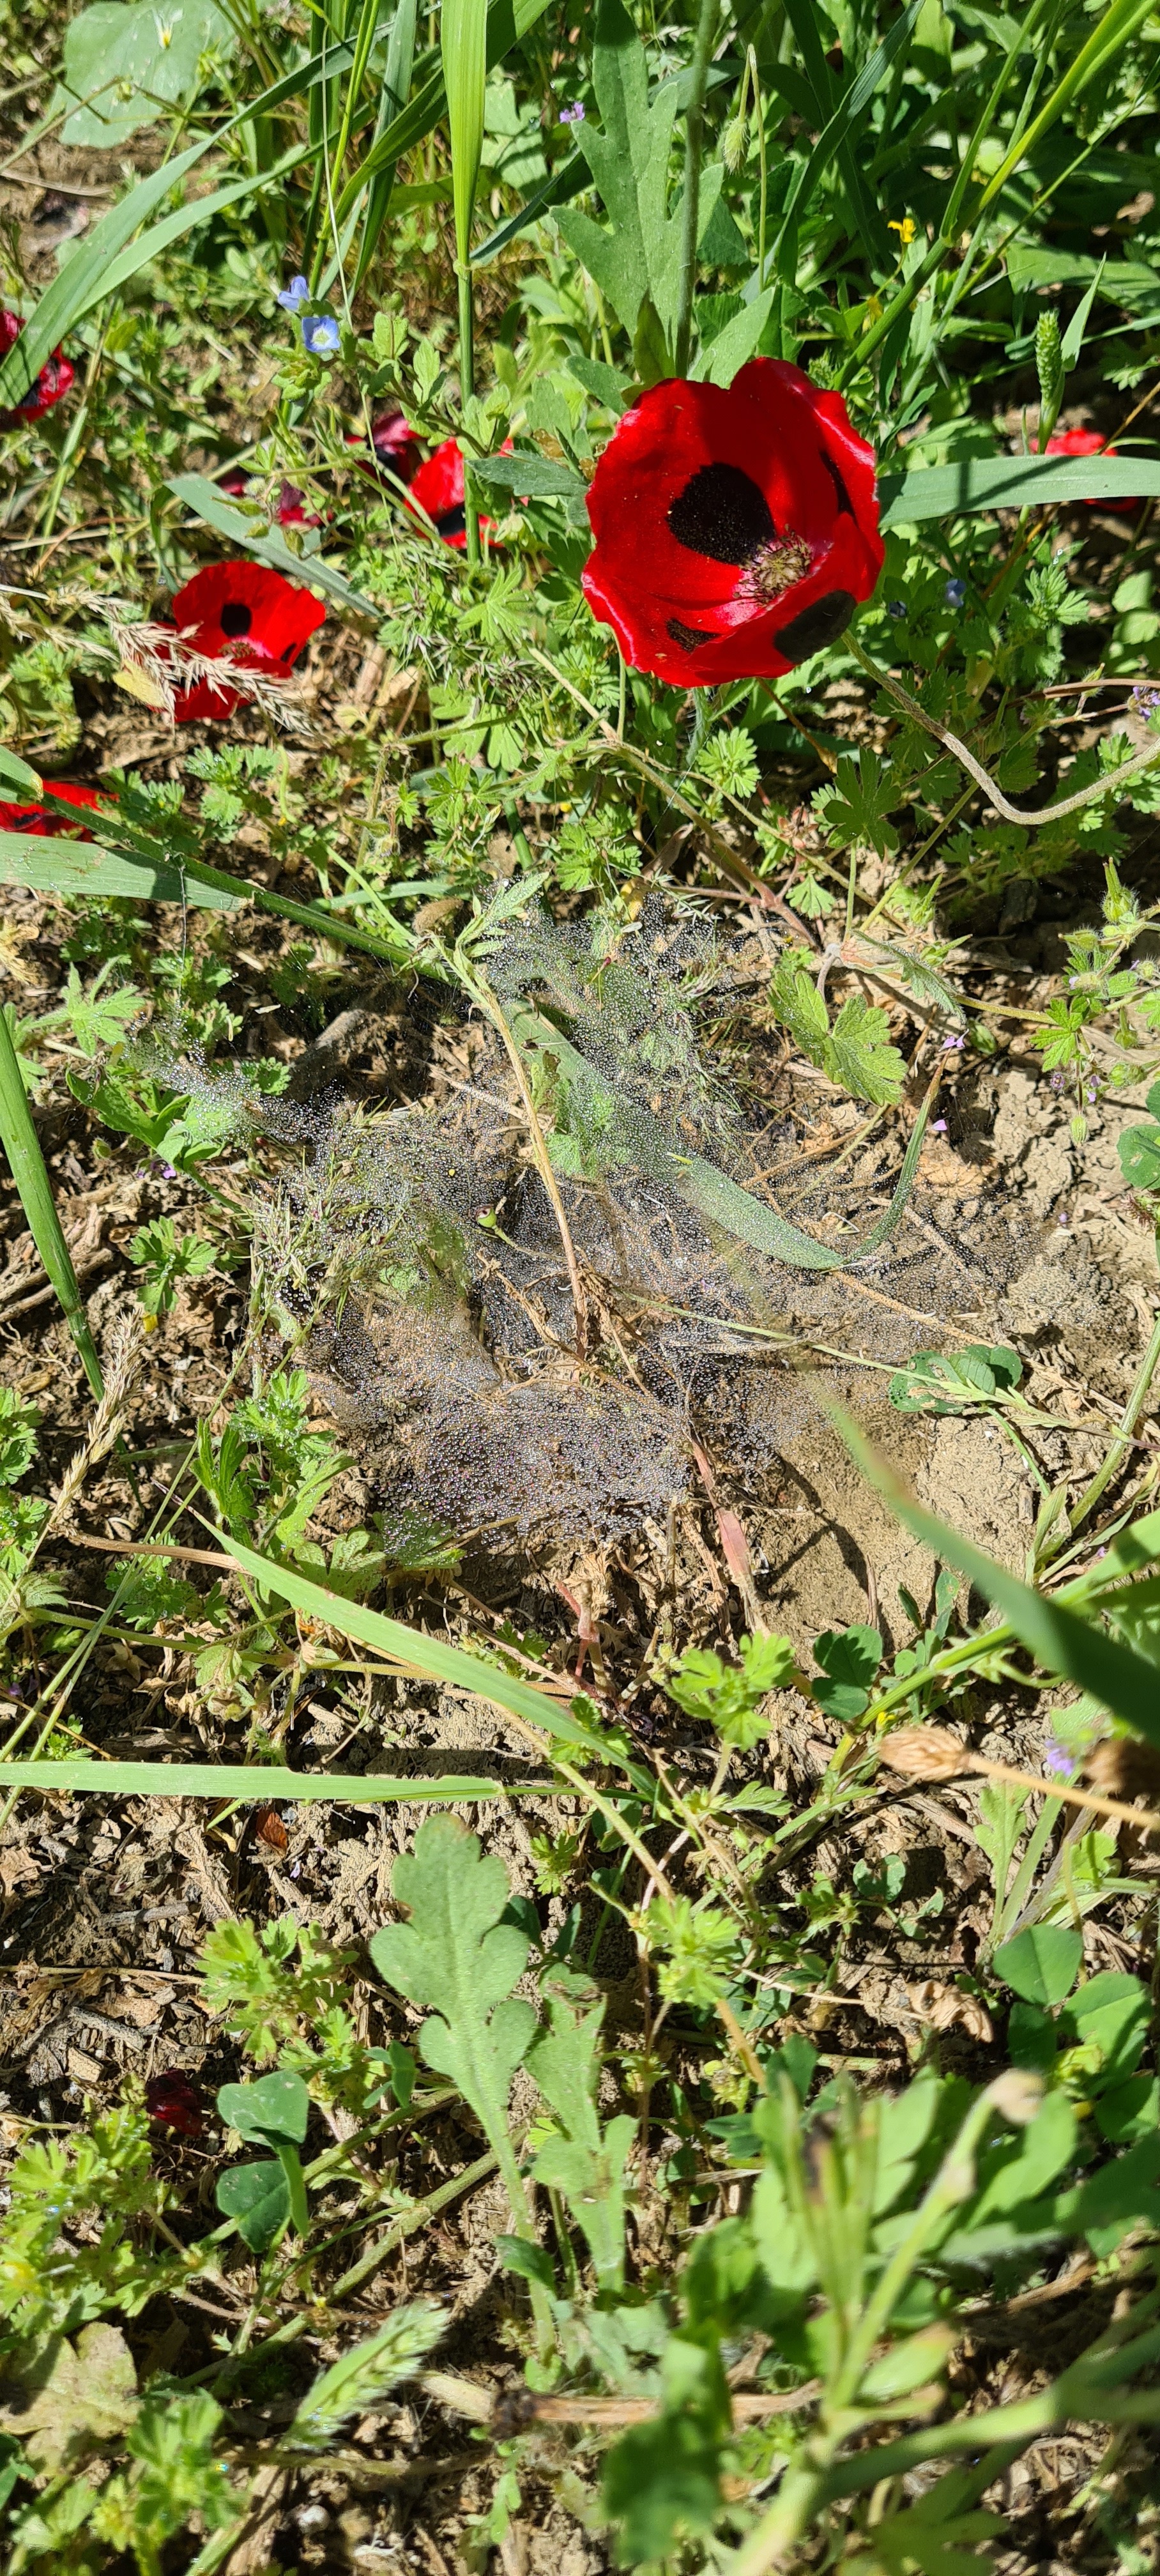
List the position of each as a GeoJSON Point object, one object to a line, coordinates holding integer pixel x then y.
{"type": "Point", "coordinates": [452, 523]}
{"type": "Point", "coordinates": [816, 627]}
{"type": "Point", "coordinates": [236, 618]}
{"type": "Point", "coordinates": [722, 513]}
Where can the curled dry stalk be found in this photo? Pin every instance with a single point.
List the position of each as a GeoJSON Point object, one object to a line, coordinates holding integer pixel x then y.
{"type": "Point", "coordinates": [1029, 817]}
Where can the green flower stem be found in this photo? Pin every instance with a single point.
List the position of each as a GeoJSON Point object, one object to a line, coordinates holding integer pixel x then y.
{"type": "Point", "coordinates": [690, 210]}
{"type": "Point", "coordinates": [1123, 1436]}
{"type": "Point", "coordinates": [26, 1162]}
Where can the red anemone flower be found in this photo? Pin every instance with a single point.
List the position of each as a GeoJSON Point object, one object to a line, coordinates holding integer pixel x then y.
{"type": "Point", "coordinates": [735, 530]}
{"type": "Point", "coordinates": [174, 2103]}
{"type": "Point", "coordinates": [1087, 442]}
{"type": "Point", "coordinates": [438, 489]}
{"type": "Point", "coordinates": [56, 375]}
{"type": "Point", "coordinates": [244, 614]}
{"type": "Point", "coordinates": [39, 819]}
{"type": "Point", "coordinates": [396, 445]}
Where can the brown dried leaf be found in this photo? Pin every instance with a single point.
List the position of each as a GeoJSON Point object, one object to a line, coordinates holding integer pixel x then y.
{"type": "Point", "coordinates": [925, 1753]}
{"type": "Point", "coordinates": [270, 1829]}
{"type": "Point", "coordinates": [943, 2006]}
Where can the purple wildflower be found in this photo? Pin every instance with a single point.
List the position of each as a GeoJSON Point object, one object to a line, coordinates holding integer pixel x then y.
{"type": "Point", "coordinates": [1058, 1763]}
{"type": "Point", "coordinates": [938, 1126]}
{"type": "Point", "coordinates": [573, 115]}
{"type": "Point", "coordinates": [952, 1045]}
{"type": "Point", "coordinates": [1056, 1080]}
{"type": "Point", "coordinates": [294, 296]}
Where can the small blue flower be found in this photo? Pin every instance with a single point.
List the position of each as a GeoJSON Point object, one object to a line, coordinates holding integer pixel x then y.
{"type": "Point", "coordinates": [1058, 1763]}
{"type": "Point", "coordinates": [294, 295]}
{"type": "Point", "coordinates": [955, 593]}
{"type": "Point", "coordinates": [896, 608]}
{"type": "Point", "coordinates": [320, 334]}
{"type": "Point", "coordinates": [573, 115]}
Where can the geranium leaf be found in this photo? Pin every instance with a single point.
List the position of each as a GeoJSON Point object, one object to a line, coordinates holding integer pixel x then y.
{"type": "Point", "coordinates": [458, 1956]}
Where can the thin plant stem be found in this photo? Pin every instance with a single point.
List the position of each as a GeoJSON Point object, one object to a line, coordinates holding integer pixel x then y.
{"type": "Point", "coordinates": [1030, 818]}
{"type": "Point", "coordinates": [759, 114]}
{"type": "Point", "coordinates": [690, 210]}
{"type": "Point", "coordinates": [543, 1163]}
{"type": "Point", "coordinates": [1123, 1437]}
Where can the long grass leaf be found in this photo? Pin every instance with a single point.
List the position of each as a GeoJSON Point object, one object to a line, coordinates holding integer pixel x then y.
{"type": "Point", "coordinates": [1061, 1642]}
{"type": "Point", "coordinates": [267, 545]}
{"type": "Point", "coordinates": [245, 1781]}
{"type": "Point", "coordinates": [72, 868]}
{"type": "Point", "coordinates": [420, 1653]}
{"type": "Point", "coordinates": [463, 30]}
{"type": "Point", "coordinates": [508, 22]}
{"type": "Point", "coordinates": [1013, 483]}
{"type": "Point", "coordinates": [26, 1162]}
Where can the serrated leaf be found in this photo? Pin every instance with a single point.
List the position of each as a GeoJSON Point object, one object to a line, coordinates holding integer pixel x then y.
{"type": "Point", "coordinates": [718, 360]}
{"type": "Point", "coordinates": [587, 2167]}
{"type": "Point", "coordinates": [458, 1956]}
{"type": "Point", "coordinates": [637, 254]}
{"type": "Point", "coordinates": [859, 1056]}
{"type": "Point", "coordinates": [66, 2401]}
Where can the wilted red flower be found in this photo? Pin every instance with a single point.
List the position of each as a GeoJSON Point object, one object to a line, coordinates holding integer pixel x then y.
{"type": "Point", "coordinates": [438, 489]}
{"type": "Point", "coordinates": [174, 2103]}
{"type": "Point", "coordinates": [41, 820]}
{"type": "Point", "coordinates": [56, 375]}
{"type": "Point", "coordinates": [1087, 442]}
{"type": "Point", "coordinates": [735, 530]}
{"type": "Point", "coordinates": [290, 512]}
{"type": "Point", "coordinates": [396, 445]}
{"type": "Point", "coordinates": [246, 614]}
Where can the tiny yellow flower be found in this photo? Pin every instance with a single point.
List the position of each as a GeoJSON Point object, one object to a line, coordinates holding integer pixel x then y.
{"type": "Point", "coordinates": [873, 310]}
{"type": "Point", "coordinates": [905, 230]}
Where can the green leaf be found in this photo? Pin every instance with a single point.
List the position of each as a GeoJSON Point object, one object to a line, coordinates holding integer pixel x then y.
{"type": "Point", "coordinates": [360, 2382]}
{"type": "Point", "coordinates": [16, 773]}
{"type": "Point", "coordinates": [83, 1777]}
{"type": "Point", "coordinates": [79, 868]}
{"type": "Point", "coordinates": [132, 62]}
{"type": "Point", "coordinates": [68, 2401]}
{"type": "Point", "coordinates": [1060, 1640]}
{"type": "Point", "coordinates": [856, 809]}
{"type": "Point", "coordinates": [1139, 1152]}
{"type": "Point", "coordinates": [257, 2198]}
{"type": "Point", "coordinates": [507, 25]}
{"type": "Point", "coordinates": [729, 1696]}
{"type": "Point", "coordinates": [535, 477]}
{"type": "Point", "coordinates": [637, 255]}
{"type": "Point", "coordinates": [858, 1054]}
{"type": "Point", "coordinates": [849, 1657]}
{"type": "Point", "coordinates": [975, 483]}
{"type": "Point", "coordinates": [463, 33]}
{"type": "Point", "coordinates": [588, 2168]}
{"type": "Point", "coordinates": [1041, 1964]}
{"type": "Point", "coordinates": [269, 2112]}
{"type": "Point", "coordinates": [458, 1956]}
{"type": "Point", "coordinates": [718, 360]}
{"type": "Point", "coordinates": [662, 2480]}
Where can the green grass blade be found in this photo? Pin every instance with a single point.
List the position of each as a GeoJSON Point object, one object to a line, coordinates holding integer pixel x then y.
{"type": "Point", "coordinates": [508, 22]}
{"type": "Point", "coordinates": [421, 1654]}
{"type": "Point", "coordinates": [26, 1162]}
{"type": "Point", "coordinates": [1013, 483]}
{"type": "Point", "coordinates": [268, 545]}
{"type": "Point", "coordinates": [1115, 30]}
{"type": "Point", "coordinates": [244, 1781]}
{"type": "Point", "coordinates": [73, 868]}
{"type": "Point", "coordinates": [397, 72]}
{"type": "Point", "coordinates": [1061, 1642]}
{"type": "Point", "coordinates": [464, 44]}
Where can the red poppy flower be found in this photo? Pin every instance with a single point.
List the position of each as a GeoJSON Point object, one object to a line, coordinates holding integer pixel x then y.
{"type": "Point", "coordinates": [438, 489]}
{"type": "Point", "coordinates": [245, 614]}
{"type": "Point", "coordinates": [56, 375]}
{"type": "Point", "coordinates": [735, 530]}
{"type": "Point", "coordinates": [1087, 442]}
{"type": "Point", "coordinates": [40, 820]}
{"type": "Point", "coordinates": [174, 2103]}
